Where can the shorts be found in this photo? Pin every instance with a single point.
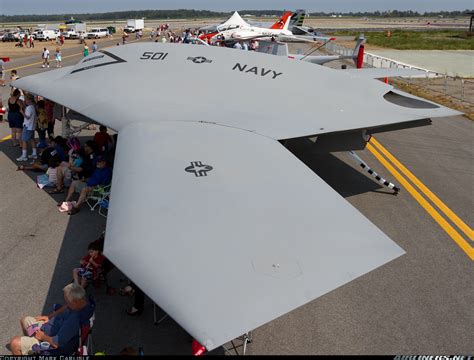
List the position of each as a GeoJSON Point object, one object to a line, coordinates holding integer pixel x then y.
{"type": "Point", "coordinates": [27, 135]}
{"type": "Point", "coordinates": [2, 75]}
{"type": "Point", "coordinates": [84, 273]}
{"type": "Point", "coordinates": [27, 342]}
{"type": "Point", "coordinates": [79, 186]}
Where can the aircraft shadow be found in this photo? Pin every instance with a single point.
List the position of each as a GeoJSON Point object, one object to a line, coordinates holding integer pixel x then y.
{"type": "Point", "coordinates": [343, 178]}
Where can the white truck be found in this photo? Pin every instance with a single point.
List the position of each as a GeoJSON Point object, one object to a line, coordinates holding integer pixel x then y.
{"type": "Point", "coordinates": [74, 31]}
{"type": "Point", "coordinates": [134, 25]}
{"type": "Point", "coordinates": [97, 33]}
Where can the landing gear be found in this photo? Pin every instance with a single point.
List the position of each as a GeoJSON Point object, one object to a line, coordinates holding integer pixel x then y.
{"type": "Point", "coordinates": [380, 179]}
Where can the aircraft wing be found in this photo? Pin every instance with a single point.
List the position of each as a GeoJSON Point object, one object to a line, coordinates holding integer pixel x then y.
{"type": "Point", "coordinates": [226, 230]}
{"type": "Point", "coordinates": [304, 38]}
{"type": "Point", "coordinates": [247, 78]}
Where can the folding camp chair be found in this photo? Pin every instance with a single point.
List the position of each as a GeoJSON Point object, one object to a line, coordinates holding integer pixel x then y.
{"type": "Point", "coordinates": [85, 337]}
{"type": "Point", "coordinates": [104, 206]}
{"type": "Point", "coordinates": [157, 321]}
{"type": "Point", "coordinates": [243, 340]}
{"type": "Point", "coordinates": [97, 195]}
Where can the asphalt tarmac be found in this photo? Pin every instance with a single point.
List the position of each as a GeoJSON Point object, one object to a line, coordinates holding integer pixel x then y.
{"type": "Point", "coordinates": [420, 303]}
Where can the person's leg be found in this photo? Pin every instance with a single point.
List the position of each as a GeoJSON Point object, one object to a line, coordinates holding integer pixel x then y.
{"type": "Point", "coordinates": [34, 154]}
{"type": "Point", "coordinates": [24, 146]}
{"type": "Point", "coordinates": [14, 139]}
{"type": "Point", "coordinates": [38, 167]}
{"type": "Point", "coordinates": [72, 189]}
{"type": "Point", "coordinates": [42, 138]}
{"type": "Point", "coordinates": [75, 276]}
{"type": "Point", "coordinates": [59, 178]}
{"type": "Point", "coordinates": [15, 345]}
{"type": "Point", "coordinates": [139, 301]}
{"type": "Point", "coordinates": [23, 345]}
{"type": "Point", "coordinates": [51, 129]}
{"type": "Point", "coordinates": [18, 136]}
{"type": "Point", "coordinates": [83, 196]}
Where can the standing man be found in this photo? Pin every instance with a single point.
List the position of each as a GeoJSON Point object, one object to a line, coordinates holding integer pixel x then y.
{"type": "Point", "coordinates": [45, 57]}
{"type": "Point", "coordinates": [94, 47]}
{"type": "Point", "coordinates": [2, 73]}
{"type": "Point", "coordinates": [29, 126]}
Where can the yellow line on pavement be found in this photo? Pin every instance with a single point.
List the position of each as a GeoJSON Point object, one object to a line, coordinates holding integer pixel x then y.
{"type": "Point", "coordinates": [447, 211]}
{"type": "Point", "coordinates": [39, 62]}
{"type": "Point", "coordinates": [421, 200]}
{"type": "Point", "coordinates": [5, 138]}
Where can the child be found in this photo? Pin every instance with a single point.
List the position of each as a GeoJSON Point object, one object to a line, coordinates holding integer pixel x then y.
{"type": "Point", "coordinates": [90, 265]}
{"type": "Point", "coordinates": [58, 57]}
{"type": "Point", "coordinates": [103, 139]}
{"type": "Point", "coordinates": [42, 124]}
{"type": "Point", "coordinates": [14, 75]}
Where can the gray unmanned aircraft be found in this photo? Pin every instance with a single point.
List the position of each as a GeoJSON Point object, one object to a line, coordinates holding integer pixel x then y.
{"type": "Point", "coordinates": [205, 195]}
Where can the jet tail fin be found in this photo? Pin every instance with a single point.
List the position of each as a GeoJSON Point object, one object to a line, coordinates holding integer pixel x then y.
{"type": "Point", "coordinates": [358, 53]}
{"type": "Point", "coordinates": [297, 18]}
{"type": "Point", "coordinates": [283, 22]}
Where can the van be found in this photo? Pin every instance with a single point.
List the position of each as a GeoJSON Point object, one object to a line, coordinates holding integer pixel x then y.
{"type": "Point", "coordinates": [47, 35]}
{"type": "Point", "coordinates": [97, 33]}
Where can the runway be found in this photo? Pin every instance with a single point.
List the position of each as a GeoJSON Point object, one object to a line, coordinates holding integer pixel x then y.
{"type": "Point", "coordinates": [420, 303]}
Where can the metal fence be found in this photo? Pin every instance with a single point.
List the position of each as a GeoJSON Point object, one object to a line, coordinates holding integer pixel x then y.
{"type": "Point", "coordinates": [443, 84]}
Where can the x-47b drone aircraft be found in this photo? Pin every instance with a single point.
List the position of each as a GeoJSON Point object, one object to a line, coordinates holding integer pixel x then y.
{"type": "Point", "coordinates": [205, 195]}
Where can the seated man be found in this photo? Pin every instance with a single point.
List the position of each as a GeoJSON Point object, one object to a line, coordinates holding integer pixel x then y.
{"type": "Point", "coordinates": [60, 329]}
{"type": "Point", "coordinates": [101, 176]}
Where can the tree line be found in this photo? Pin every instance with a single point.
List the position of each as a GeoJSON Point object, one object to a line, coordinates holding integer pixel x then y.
{"type": "Point", "coordinates": [199, 14]}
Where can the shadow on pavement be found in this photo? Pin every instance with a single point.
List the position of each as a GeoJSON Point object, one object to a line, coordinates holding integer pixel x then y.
{"type": "Point", "coordinates": [343, 178]}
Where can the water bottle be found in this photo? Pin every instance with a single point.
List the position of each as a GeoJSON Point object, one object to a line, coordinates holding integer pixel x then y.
{"type": "Point", "coordinates": [140, 351]}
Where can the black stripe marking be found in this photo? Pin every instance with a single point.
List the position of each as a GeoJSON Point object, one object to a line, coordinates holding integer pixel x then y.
{"type": "Point", "coordinates": [117, 60]}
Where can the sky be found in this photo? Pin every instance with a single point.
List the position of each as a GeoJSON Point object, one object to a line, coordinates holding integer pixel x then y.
{"type": "Point", "coordinates": [22, 7]}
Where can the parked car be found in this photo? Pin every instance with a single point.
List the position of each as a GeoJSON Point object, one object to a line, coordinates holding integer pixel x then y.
{"type": "Point", "coordinates": [97, 33]}
{"type": "Point", "coordinates": [8, 37]}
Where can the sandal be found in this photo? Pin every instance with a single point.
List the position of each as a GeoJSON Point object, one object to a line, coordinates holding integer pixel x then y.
{"type": "Point", "coordinates": [133, 311]}
{"type": "Point", "coordinates": [127, 291]}
{"type": "Point", "coordinates": [56, 190]}
{"type": "Point", "coordinates": [73, 211]}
